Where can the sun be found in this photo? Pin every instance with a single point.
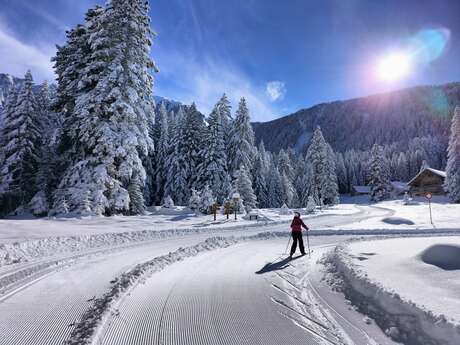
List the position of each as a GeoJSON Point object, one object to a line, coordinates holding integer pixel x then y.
{"type": "Point", "coordinates": [393, 67]}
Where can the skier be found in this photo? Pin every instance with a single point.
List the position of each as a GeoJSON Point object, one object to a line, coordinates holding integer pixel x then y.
{"type": "Point", "coordinates": [296, 231]}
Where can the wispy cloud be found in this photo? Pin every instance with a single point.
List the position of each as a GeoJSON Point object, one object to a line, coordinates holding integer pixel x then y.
{"type": "Point", "coordinates": [204, 83]}
{"type": "Point", "coordinates": [18, 57]}
{"type": "Point", "coordinates": [275, 90]}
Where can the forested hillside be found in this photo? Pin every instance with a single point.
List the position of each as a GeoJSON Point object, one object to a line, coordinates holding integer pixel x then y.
{"type": "Point", "coordinates": [396, 117]}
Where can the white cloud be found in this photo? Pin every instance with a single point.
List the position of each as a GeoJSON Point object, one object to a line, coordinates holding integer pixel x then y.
{"type": "Point", "coordinates": [188, 81]}
{"type": "Point", "coordinates": [18, 57]}
{"type": "Point", "coordinates": [275, 90]}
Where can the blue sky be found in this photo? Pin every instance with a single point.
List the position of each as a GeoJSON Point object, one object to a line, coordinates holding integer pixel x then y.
{"type": "Point", "coordinates": [280, 55]}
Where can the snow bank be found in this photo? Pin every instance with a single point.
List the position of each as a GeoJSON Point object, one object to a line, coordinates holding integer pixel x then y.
{"type": "Point", "coordinates": [382, 287]}
{"type": "Point", "coordinates": [17, 252]}
{"type": "Point", "coordinates": [87, 330]}
{"type": "Point", "coordinates": [444, 256]}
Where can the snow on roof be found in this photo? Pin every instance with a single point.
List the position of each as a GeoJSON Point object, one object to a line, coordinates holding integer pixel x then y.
{"type": "Point", "coordinates": [362, 189]}
{"type": "Point", "coordinates": [400, 185]}
{"type": "Point", "coordinates": [434, 171]}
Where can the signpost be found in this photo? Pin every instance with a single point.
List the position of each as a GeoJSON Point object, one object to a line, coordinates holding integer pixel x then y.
{"type": "Point", "coordinates": [429, 196]}
{"type": "Point", "coordinates": [215, 207]}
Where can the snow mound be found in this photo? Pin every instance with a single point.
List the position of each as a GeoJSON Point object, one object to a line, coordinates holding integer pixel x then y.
{"type": "Point", "coordinates": [397, 221]}
{"type": "Point", "coordinates": [445, 256]}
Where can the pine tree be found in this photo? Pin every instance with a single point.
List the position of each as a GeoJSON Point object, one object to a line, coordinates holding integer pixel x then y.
{"type": "Point", "coordinates": [176, 184]}
{"type": "Point", "coordinates": [225, 110]}
{"type": "Point", "coordinates": [161, 156]}
{"type": "Point", "coordinates": [303, 183]}
{"type": "Point", "coordinates": [21, 137]}
{"type": "Point", "coordinates": [244, 187]}
{"type": "Point", "coordinates": [109, 130]}
{"type": "Point", "coordinates": [195, 200]}
{"type": "Point", "coordinates": [330, 189]}
{"type": "Point", "coordinates": [192, 144]}
{"type": "Point", "coordinates": [288, 190]}
{"type": "Point", "coordinates": [324, 176]}
{"type": "Point", "coordinates": [242, 140]}
{"type": "Point", "coordinates": [137, 203]}
{"type": "Point", "coordinates": [378, 175]}
{"type": "Point", "coordinates": [275, 187]}
{"type": "Point", "coordinates": [452, 184]}
{"type": "Point", "coordinates": [207, 200]}
{"type": "Point", "coordinates": [260, 177]}
{"type": "Point", "coordinates": [212, 170]}
{"type": "Point", "coordinates": [285, 165]}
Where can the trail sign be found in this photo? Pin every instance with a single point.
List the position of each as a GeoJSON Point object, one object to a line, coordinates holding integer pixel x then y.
{"type": "Point", "coordinates": [429, 196]}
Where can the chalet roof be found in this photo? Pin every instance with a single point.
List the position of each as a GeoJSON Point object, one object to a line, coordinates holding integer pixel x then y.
{"type": "Point", "coordinates": [434, 171]}
{"type": "Point", "coordinates": [362, 189]}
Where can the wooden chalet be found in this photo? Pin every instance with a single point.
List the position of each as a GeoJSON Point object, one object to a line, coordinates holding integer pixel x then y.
{"type": "Point", "coordinates": [428, 180]}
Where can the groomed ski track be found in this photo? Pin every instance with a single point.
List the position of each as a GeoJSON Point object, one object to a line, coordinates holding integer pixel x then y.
{"type": "Point", "coordinates": [44, 311]}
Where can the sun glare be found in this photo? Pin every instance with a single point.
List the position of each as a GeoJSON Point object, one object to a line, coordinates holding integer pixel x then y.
{"type": "Point", "coordinates": [393, 67]}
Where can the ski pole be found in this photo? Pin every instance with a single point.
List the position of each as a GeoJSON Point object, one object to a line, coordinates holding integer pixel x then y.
{"type": "Point", "coordinates": [289, 241]}
{"type": "Point", "coordinates": [308, 244]}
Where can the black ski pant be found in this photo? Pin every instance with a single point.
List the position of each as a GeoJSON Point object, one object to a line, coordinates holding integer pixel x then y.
{"type": "Point", "coordinates": [297, 236]}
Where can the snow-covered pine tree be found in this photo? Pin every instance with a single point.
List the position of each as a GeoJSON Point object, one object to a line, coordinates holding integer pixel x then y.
{"type": "Point", "coordinates": [324, 177]}
{"type": "Point", "coordinates": [195, 200]}
{"type": "Point", "coordinates": [191, 144]}
{"type": "Point", "coordinates": [21, 136]}
{"type": "Point", "coordinates": [168, 202]}
{"type": "Point", "coordinates": [275, 187]}
{"type": "Point", "coordinates": [303, 183]}
{"type": "Point", "coordinates": [288, 190]}
{"type": "Point", "coordinates": [160, 114]}
{"type": "Point", "coordinates": [243, 185]}
{"type": "Point", "coordinates": [109, 128]}
{"type": "Point", "coordinates": [225, 110]}
{"type": "Point", "coordinates": [330, 189]}
{"type": "Point", "coordinates": [242, 140]}
{"type": "Point", "coordinates": [341, 173]}
{"type": "Point", "coordinates": [176, 184]}
{"type": "Point", "coordinates": [452, 184]}
{"type": "Point", "coordinates": [39, 205]}
{"type": "Point", "coordinates": [285, 165]}
{"type": "Point", "coordinates": [48, 158]}
{"type": "Point", "coordinates": [311, 204]}
{"type": "Point", "coordinates": [212, 170]}
{"type": "Point", "coordinates": [161, 155]}
{"type": "Point", "coordinates": [137, 203]}
{"type": "Point", "coordinates": [8, 115]}
{"type": "Point", "coordinates": [378, 175]}
{"type": "Point", "coordinates": [207, 200]}
{"type": "Point", "coordinates": [260, 176]}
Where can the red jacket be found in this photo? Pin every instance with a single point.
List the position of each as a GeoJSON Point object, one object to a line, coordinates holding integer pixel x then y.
{"type": "Point", "coordinates": [297, 224]}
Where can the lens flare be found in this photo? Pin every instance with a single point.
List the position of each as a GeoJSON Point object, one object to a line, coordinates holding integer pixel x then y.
{"type": "Point", "coordinates": [429, 44]}
{"type": "Point", "coordinates": [394, 66]}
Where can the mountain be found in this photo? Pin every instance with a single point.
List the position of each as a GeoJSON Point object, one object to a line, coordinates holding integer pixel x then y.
{"type": "Point", "coordinates": [6, 82]}
{"type": "Point", "coordinates": [394, 117]}
{"type": "Point", "coordinates": [170, 104]}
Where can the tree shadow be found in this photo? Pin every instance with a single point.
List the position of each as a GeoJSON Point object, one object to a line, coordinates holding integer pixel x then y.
{"type": "Point", "coordinates": [276, 266]}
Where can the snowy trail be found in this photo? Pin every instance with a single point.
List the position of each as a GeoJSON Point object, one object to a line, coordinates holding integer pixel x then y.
{"type": "Point", "coordinates": [44, 310]}
{"type": "Point", "coordinates": [218, 298]}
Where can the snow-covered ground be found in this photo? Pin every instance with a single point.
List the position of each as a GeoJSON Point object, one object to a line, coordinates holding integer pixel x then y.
{"type": "Point", "coordinates": [157, 219]}
{"type": "Point", "coordinates": [174, 271]}
{"type": "Point", "coordinates": [413, 216]}
{"type": "Point", "coordinates": [411, 286]}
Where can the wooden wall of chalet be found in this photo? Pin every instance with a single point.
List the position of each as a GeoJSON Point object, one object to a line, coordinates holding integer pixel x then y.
{"type": "Point", "coordinates": [427, 182]}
